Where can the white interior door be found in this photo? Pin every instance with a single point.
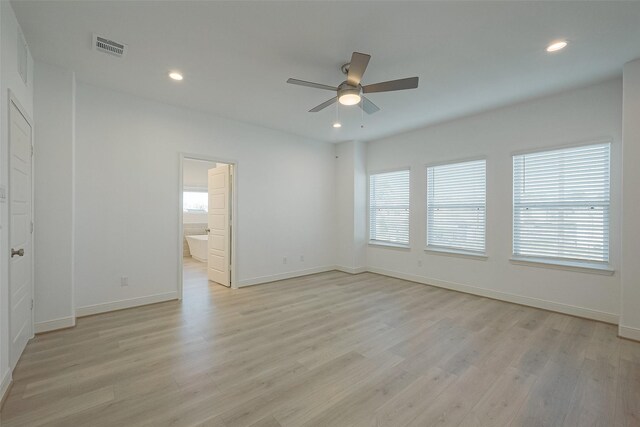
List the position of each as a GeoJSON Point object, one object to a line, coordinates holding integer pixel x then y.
{"type": "Point", "coordinates": [219, 257]}
{"type": "Point", "coordinates": [20, 280]}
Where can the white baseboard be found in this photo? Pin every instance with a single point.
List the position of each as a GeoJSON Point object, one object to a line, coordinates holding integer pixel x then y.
{"type": "Point", "coordinates": [629, 332]}
{"type": "Point", "coordinates": [626, 332]}
{"type": "Point", "coordinates": [5, 385]}
{"type": "Point", "coordinates": [503, 296]}
{"type": "Point", "coordinates": [283, 276]}
{"type": "Point", "coordinates": [52, 325]}
{"type": "Point", "coordinates": [351, 270]}
{"type": "Point", "coordinates": [127, 303]}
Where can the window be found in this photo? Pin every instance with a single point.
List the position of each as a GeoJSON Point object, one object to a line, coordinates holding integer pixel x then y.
{"type": "Point", "coordinates": [195, 201]}
{"type": "Point", "coordinates": [389, 208]}
{"type": "Point", "coordinates": [456, 207]}
{"type": "Point", "coordinates": [561, 204]}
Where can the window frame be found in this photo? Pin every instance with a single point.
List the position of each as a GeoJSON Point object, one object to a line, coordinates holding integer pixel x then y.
{"type": "Point", "coordinates": [382, 243]}
{"type": "Point", "coordinates": [569, 264]}
{"type": "Point", "coordinates": [447, 250]}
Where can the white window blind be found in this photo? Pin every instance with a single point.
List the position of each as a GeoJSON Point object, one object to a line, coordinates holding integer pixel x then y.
{"type": "Point", "coordinates": [389, 207]}
{"type": "Point", "coordinates": [561, 204]}
{"type": "Point", "coordinates": [456, 206]}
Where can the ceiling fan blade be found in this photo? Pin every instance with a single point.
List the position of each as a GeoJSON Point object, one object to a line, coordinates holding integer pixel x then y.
{"type": "Point", "coordinates": [311, 84]}
{"type": "Point", "coordinates": [401, 84]}
{"type": "Point", "coordinates": [324, 105]}
{"type": "Point", "coordinates": [368, 106]}
{"type": "Point", "coordinates": [357, 67]}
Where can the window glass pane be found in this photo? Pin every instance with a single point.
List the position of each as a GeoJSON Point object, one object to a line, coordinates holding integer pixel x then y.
{"type": "Point", "coordinates": [561, 203]}
{"type": "Point", "coordinates": [456, 206]}
{"type": "Point", "coordinates": [195, 201]}
{"type": "Point", "coordinates": [389, 207]}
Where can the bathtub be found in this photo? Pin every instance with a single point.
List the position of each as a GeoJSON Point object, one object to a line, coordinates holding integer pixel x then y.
{"type": "Point", "coordinates": [198, 246]}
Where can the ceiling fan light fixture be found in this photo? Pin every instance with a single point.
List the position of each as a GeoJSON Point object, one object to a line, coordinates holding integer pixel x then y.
{"type": "Point", "coordinates": [337, 125]}
{"type": "Point", "coordinates": [349, 95]}
{"type": "Point", "coordinates": [349, 98]}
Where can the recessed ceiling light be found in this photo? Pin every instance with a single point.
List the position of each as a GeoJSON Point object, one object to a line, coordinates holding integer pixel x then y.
{"type": "Point", "coordinates": [337, 125]}
{"type": "Point", "coordinates": [175, 75]}
{"type": "Point", "coordinates": [556, 46]}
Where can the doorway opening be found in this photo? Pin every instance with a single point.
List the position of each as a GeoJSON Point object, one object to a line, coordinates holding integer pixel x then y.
{"type": "Point", "coordinates": [207, 205]}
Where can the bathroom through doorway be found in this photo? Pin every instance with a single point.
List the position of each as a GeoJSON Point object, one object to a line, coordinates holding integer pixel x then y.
{"type": "Point", "coordinates": [206, 209]}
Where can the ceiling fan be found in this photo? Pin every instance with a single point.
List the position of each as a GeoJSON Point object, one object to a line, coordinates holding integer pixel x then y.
{"type": "Point", "coordinates": [350, 91]}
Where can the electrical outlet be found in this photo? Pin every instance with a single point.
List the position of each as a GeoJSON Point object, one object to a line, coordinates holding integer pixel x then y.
{"type": "Point", "coordinates": [284, 260]}
{"type": "Point", "coordinates": [419, 263]}
{"type": "Point", "coordinates": [124, 281]}
{"type": "Point", "coordinates": [301, 258]}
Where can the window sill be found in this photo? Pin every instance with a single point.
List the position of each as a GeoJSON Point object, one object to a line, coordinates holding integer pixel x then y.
{"type": "Point", "coordinates": [564, 265]}
{"type": "Point", "coordinates": [389, 245]}
{"type": "Point", "coordinates": [456, 253]}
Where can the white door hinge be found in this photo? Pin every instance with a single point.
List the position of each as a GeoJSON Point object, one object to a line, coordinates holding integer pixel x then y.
{"type": "Point", "coordinates": [32, 151]}
{"type": "Point", "coordinates": [31, 303]}
{"type": "Point", "coordinates": [31, 227]}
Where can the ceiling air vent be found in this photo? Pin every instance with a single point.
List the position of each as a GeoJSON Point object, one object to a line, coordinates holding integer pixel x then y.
{"type": "Point", "coordinates": [103, 44]}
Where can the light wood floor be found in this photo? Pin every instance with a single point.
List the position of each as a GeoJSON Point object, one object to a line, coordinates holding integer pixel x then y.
{"type": "Point", "coordinates": [330, 349]}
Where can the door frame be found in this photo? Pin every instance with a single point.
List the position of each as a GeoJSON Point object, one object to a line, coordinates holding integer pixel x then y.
{"type": "Point", "coordinates": [234, 215]}
{"type": "Point", "coordinates": [13, 99]}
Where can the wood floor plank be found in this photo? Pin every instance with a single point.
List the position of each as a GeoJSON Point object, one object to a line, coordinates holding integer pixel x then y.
{"type": "Point", "coordinates": [628, 395]}
{"type": "Point", "coordinates": [456, 401]}
{"type": "Point", "coordinates": [593, 402]}
{"type": "Point", "coordinates": [54, 411]}
{"type": "Point", "coordinates": [358, 406]}
{"type": "Point", "coordinates": [268, 421]}
{"type": "Point", "coordinates": [400, 410]}
{"type": "Point", "coordinates": [550, 399]}
{"type": "Point", "coordinates": [295, 412]}
{"type": "Point", "coordinates": [329, 349]}
{"type": "Point", "coordinates": [343, 368]}
{"type": "Point", "coordinates": [502, 401]}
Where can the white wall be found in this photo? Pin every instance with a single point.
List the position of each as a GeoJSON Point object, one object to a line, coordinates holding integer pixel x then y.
{"type": "Point", "coordinates": [127, 165]}
{"type": "Point", "coordinates": [194, 218]}
{"type": "Point", "coordinates": [630, 301]}
{"type": "Point", "coordinates": [344, 204]}
{"type": "Point", "coordinates": [350, 200]}
{"type": "Point", "coordinates": [10, 80]}
{"type": "Point", "coordinates": [581, 115]}
{"type": "Point", "coordinates": [53, 208]}
{"type": "Point", "coordinates": [360, 182]}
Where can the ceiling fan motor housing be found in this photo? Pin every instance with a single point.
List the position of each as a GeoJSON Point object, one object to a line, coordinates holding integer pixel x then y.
{"type": "Point", "coordinates": [346, 89]}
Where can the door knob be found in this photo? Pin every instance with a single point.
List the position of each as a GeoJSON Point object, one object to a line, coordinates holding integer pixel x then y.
{"type": "Point", "coordinates": [207, 230]}
{"type": "Point", "coordinates": [19, 252]}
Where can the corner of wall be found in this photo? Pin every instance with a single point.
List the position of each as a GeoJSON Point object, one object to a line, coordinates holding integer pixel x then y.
{"type": "Point", "coordinates": [360, 203]}
{"type": "Point", "coordinates": [630, 230]}
{"type": "Point", "coordinates": [54, 180]}
{"type": "Point", "coordinates": [73, 197]}
{"type": "Point", "coordinates": [351, 205]}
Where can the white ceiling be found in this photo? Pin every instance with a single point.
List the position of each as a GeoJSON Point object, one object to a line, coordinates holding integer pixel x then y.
{"type": "Point", "coordinates": [236, 56]}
